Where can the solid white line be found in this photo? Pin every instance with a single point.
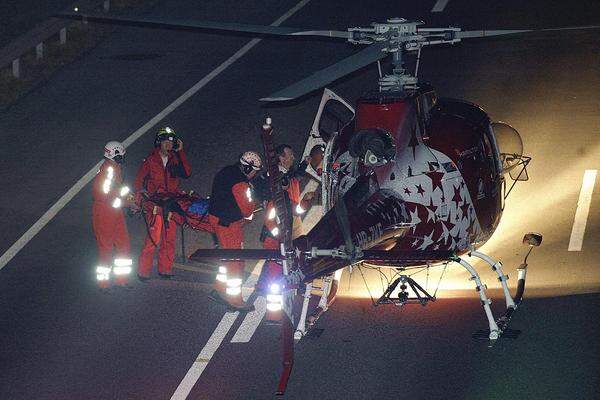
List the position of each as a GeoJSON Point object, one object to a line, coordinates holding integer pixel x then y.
{"type": "Point", "coordinates": [47, 217]}
{"type": "Point", "coordinates": [252, 319]}
{"type": "Point", "coordinates": [215, 340]}
{"type": "Point", "coordinates": [251, 322]}
{"type": "Point", "coordinates": [439, 6]}
{"type": "Point", "coordinates": [205, 356]}
{"type": "Point", "coordinates": [583, 208]}
{"type": "Point", "coordinates": [248, 286]}
{"type": "Point", "coordinates": [84, 180]}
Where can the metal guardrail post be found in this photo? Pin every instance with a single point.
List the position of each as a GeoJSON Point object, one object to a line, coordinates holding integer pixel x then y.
{"type": "Point", "coordinates": [14, 51]}
{"type": "Point", "coordinates": [39, 51]}
{"type": "Point", "coordinates": [16, 68]}
{"type": "Point", "coordinates": [63, 35]}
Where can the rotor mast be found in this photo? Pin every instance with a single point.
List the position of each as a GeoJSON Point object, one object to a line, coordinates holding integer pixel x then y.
{"type": "Point", "coordinates": [401, 38]}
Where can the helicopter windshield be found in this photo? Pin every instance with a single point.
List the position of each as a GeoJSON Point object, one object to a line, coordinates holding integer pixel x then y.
{"type": "Point", "coordinates": [510, 145]}
{"type": "Point", "coordinates": [334, 117]}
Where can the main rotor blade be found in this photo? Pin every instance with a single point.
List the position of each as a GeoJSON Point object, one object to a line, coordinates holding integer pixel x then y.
{"type": "Point", "coordinates": [486, 33]}
{"type": "Point", "coordinates": [194, 25]}
{"type": "Point", "coordinates": [327, 75]}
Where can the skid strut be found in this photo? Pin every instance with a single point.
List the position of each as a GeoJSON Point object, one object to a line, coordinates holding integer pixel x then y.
{"type": "Point", "coordinates": [494, 332]}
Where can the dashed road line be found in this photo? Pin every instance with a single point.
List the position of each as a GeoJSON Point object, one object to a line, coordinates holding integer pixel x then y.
{"type": "Point", "coordinates": [583, 209]}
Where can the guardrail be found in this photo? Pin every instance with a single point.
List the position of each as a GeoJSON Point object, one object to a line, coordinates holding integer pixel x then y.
{"type": "Point", "coordinates": [35, 38]}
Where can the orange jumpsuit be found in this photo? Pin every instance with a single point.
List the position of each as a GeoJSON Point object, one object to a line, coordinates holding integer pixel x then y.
{"type": "Point", "coordinates": [156, 178]}
{"type": "Point", "coordinates": [109, 225]}
{"type": "Point", "coordinates": [230, 203]}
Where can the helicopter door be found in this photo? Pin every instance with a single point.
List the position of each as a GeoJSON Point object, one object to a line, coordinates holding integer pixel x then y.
{"type": "Point", "coordinates": [333, 114]}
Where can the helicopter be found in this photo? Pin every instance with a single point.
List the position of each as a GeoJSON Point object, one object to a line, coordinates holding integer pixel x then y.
{"type": "Point", "coordinates": [409, 179]}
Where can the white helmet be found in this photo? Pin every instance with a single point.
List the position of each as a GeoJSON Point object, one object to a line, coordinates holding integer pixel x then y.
{"type": "Point", "coordinates": [251, 160]}
{"type": "Point", "coordinates": [113, 149]}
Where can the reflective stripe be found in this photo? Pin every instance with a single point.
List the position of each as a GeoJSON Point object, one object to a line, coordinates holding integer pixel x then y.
{"type": "Point", "coordinates": [124, 191]}
{"type": "Point", "coordinates": [275, 231]}
{"type": "Point", "coordinates": [249, 195]}
{"type": "Point", "coordinates": [274, 306]}
{"type": "Point", "coordinates": [234, 283]}
{"type": "Point", "coordinates": [106, 185]}
{"type": "Point", "coordinates": [274, 298]}
{"type": "Point", "coordinates": [123, 262]}
{"type": "Point", "coordinates": [222, 269]}
{"type": "Point", "coordinates": [122, 270]}
{"type": "Point", "coordinates": [233, 291]}
{"type": "Point", "coordinates": [116, 203]}
{"type": "Point", "coordinates": [299, 209]}
{"type": "Point", "coordinates": [272, 213]}
{"type": "Point", "coordinates": [101, 269]}
{"type": "Point", "coordinates": [102, 277]}
{"type": "Point", "coordinates": [109, 173]}
{"type": "Point", "coordinates": [222, 277]}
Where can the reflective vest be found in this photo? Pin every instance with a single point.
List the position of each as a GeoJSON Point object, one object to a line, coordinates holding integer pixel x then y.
{"type": "Point", "coordinates": [108, 185]}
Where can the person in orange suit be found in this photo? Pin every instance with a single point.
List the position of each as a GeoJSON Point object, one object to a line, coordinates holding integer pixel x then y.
{"type": "Point", "coordinates": [231, 206]}
{"type": "Point", "coordinates": [159, 177]}
{"type": "Point", "coordinates": [109, 196]}
{"type": "Point", "coordinates": [270, 236]}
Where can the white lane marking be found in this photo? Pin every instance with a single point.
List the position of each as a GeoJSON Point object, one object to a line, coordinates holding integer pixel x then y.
{"type": "Point", "coordinates": [47, 217]}
{"type": "Point", "coordinates": [84, 180]}
{"type": "Point", "coordinates": [251, 322]}
{"type": "Point", "coordinates": [213, 343]}
{"type": "Point", "coordinates": [205, 356]}
{"type": "Point", "coordinates": [248, 286]}
{"type": "Point", "coordinates": [583, 208]}
{"type": "Point", "coordinates": [439, 6]}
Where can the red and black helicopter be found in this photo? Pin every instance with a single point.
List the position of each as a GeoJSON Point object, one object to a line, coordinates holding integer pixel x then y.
{"type": "Point", "coordinates": [409, 180]}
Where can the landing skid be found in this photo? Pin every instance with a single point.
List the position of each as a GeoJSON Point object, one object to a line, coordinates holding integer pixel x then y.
{"type": "Point", "coordinates": [328, 291]}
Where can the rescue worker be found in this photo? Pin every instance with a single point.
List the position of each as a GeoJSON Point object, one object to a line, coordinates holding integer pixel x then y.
{"type": "Point", "coordinates": [309, 177]}
{"type": "Point", "coordinates": [270, 235]}
{"type": "Point", "coordinates": [231, 206]}
{"type": "Point", "coordinates": [159, 176]}
{"type": "Point", "coordinates": [109, 197]}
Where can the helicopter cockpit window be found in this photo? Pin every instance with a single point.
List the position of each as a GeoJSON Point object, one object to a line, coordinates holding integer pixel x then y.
{"type": "Point", "coordinates": [334, 117]}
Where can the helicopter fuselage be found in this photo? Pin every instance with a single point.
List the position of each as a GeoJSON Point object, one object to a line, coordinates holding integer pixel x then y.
{"type": "Point", "coordinates": [409, 172]}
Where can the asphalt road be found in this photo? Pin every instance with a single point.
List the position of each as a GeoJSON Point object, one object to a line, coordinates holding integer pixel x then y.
{"type": "Point", "coordinates": [62, 338]}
